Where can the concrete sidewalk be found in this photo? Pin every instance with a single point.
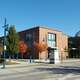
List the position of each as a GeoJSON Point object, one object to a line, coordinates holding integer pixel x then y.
{"type": "Point", "coordinates": [27, 63]}
{"type": "Point", "coordinates": [71, 60]}
{"type": "Point", "coordinates": [20, 64]}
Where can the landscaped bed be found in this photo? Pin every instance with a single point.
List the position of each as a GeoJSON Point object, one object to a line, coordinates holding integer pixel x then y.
{"type": "Point", "coordinates": [11, 62]}
{"type": "Point", "coordinates": [1, 60]}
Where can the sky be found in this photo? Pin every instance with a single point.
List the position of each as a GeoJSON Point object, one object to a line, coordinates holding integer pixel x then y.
{"type": "Point", "coordinates": [63, 15]}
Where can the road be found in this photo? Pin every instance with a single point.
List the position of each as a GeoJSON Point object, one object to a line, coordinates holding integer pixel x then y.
{"type": "Point", "coordinates": [24, 73]}
{"type": "Point", "coordinates": [65, 71]}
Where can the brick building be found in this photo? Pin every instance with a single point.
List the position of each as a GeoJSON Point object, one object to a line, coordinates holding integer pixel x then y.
{"type": "Point", "coordinates": [53, 38]}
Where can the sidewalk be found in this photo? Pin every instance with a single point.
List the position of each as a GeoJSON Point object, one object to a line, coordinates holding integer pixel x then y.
{"type": "Point", "coordinates": [20, 64]}
{"type": "Point", "coordinates": [27, 63]}
{"type": "Point", "coordinates": [71, 60]}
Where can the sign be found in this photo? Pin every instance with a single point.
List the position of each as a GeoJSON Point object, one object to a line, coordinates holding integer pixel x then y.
{"type": "Point", "coordinates": [4, 47]}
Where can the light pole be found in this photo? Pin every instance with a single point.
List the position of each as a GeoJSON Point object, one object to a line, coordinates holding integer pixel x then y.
{"type": "Point", "coordinates": [74, 52]}
{"type": "Point", "coordinates": [4, 42]}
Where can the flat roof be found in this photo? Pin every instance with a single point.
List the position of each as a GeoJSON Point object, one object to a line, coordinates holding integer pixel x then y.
{"type": "Point", "coordinates": [35, 27]}
{"type": "Point", "coordinates": [45, 27]}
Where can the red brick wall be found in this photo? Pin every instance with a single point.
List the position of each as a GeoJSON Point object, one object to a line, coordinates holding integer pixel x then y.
{"type": "Point", "coordinates": [40, 34]}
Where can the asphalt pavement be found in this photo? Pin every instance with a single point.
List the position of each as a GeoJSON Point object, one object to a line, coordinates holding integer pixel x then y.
{"type": "Point", "coordinates": [68, 70]}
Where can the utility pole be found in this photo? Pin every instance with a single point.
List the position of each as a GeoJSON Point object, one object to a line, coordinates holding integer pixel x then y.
{"type": "Point", "coordinates": [4, 42]}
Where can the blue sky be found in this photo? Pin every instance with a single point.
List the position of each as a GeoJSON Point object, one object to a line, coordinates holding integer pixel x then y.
{"type": "Point", "coordinates": [63, 15]}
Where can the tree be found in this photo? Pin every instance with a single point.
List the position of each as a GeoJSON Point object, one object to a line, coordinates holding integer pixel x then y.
{"type": "Point", "coordinates": [1, 50]}
{"type": "Point", "coordinates": [22, 48]}
{"type": "Point", "coordinates": [1, 46]}
{"type": "Point", "coordinates": [12, 41]}
{"type": "Point", "coordinates": [40, 47]}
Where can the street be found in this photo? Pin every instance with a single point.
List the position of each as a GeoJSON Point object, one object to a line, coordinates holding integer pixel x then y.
{"type": "Point", "coordinates": [42, 71]}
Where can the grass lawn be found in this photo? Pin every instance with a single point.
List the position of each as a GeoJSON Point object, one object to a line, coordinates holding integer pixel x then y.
{"type": "Point", "coordinates": [12, 62]}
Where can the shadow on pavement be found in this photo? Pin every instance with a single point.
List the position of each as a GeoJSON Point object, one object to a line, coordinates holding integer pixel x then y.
{"type": "Point", "coordinates": [62, 70]}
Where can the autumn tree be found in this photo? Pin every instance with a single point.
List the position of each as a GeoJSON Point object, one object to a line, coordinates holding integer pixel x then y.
{"type": "Point", "coordinates": [12, 41]}
{"type": "Point", "coordinates": [22, 48]}
{"type": "Point", "coordinates": [40, 47]}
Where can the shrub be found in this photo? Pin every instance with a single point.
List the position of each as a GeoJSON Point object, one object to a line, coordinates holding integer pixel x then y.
{"type": "Point", "coordinates": [1, 60]}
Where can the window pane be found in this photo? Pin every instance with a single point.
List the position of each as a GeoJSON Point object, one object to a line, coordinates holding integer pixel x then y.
{"type": "Point", "coordinates": [51, 40]}
{"type": "Point", "coordinates": [49, 36]}
{"type": "Point", "coordinates": [53, 36]}
{"type": "Point", "coordinates": [49, 43]}
{"type": "Point", "coordinates": [53, 44]}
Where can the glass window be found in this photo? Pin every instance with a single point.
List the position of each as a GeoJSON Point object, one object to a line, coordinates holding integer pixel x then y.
{"type": "Point", "coordinates": [49, 44]}
{"type": "Point", "coordinates": [28, 36]}
{"type": "Point", "coordinates": [51, 39]}
{"type": "Point", "coordinates": [51, 36]}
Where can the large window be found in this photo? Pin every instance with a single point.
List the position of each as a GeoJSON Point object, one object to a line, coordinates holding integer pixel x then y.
{"type": "Point", "coordinates": [51, 40]}
{"type": "Point", "coordinates": [28, 36]}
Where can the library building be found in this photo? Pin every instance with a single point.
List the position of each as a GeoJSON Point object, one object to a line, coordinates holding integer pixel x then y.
{"type": "Point", "coordinates": [56, 40]}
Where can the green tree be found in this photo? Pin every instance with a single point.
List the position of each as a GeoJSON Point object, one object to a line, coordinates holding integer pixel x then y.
{"type": "Point", "coordinates": [12, 41]}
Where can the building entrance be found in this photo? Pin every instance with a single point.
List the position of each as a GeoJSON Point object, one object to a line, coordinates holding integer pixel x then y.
{"type": "Point", "coordinates": [53, 55]}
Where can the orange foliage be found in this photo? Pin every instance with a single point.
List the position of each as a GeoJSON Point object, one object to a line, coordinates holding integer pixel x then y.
{"type": "Point", "coordinates": [40, 46]}
{"type": "Point", "coordinates": [22, 47]}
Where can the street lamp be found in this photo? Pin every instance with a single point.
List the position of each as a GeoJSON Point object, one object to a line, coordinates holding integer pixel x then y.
{"type": "Point", "coordinates": [4, 42]}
